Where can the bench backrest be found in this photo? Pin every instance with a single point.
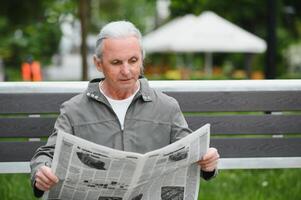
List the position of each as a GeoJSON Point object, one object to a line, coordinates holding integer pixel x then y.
{"type": "Point", "coordinates": [249, 119]}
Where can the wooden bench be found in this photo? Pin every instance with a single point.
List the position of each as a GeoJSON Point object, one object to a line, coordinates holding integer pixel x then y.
{"type": "Point", "coordinates": [254, 124]}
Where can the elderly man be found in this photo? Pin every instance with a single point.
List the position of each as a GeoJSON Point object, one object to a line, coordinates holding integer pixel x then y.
{"type": "Point", "coordinates": [120, 110]}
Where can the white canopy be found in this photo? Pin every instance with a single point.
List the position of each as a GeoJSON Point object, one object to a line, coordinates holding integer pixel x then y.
{"type": "Point", "coordinates": [205, 33]}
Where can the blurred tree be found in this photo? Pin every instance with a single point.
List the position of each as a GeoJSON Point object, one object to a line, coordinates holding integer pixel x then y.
{"type": "Point", "coordinates": [140, 12]}
{"type": "Point", "coordinates": [84, 15]}
{"type": "Point", "coordinates": [31, 28]}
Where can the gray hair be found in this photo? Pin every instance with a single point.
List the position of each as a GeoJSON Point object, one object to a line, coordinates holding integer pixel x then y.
{"type": "Point", "coordinates": [117, 29]}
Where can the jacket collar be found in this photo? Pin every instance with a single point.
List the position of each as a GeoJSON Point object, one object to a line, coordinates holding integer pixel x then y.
{"type": "Point", "coordinates": [94, 93]}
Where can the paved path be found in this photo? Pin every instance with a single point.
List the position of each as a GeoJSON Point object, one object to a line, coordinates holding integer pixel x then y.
{"type": "Point", "coordinates": [70, 69]}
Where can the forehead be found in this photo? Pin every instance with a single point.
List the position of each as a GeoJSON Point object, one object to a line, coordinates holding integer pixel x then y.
{"type": "Point", "coordinates": [121, 47]}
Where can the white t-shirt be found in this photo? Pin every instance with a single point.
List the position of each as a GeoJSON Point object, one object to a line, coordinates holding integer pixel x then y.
{"type": "Point", "coordinates": [120, 106]}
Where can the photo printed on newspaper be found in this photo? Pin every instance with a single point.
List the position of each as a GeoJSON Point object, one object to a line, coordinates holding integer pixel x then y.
{"type": "Point", "coordinates": [88, 171]}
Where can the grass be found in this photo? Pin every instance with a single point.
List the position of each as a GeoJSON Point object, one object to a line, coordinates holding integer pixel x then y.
{"type": "Point", "coordinates": [15, 187]}
{"type": "Point", "coordinates": [276, 184]}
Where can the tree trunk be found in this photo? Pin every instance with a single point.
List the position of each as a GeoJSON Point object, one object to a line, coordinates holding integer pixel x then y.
{"type": "Point", "coordinates": [270, 68]}
{"type": "Point", "coordinates": [84, 19]}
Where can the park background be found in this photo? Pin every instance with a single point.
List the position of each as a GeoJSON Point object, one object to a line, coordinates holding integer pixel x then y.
{"type": "Point", "coordinates": [52, 32]}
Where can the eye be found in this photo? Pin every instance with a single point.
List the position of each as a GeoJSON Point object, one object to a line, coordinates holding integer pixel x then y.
{"type": "Point", "coordinates": [133, 60]}
{"type": "Point", "coordinates": [116, 62]}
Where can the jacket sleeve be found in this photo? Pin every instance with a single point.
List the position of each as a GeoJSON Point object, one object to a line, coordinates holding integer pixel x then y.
{"type": "Point", "coordinates": [44, 154]}
{"type": "Point", "coordinates": [179, 126]}
{"type": "Point", "coordinates": [209, 175]}
{"type": "Point", "coordinates": [179, 130]}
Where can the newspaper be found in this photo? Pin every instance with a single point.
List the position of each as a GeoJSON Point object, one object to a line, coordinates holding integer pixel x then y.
{"type": "Point", "coordinates": [88, 171]}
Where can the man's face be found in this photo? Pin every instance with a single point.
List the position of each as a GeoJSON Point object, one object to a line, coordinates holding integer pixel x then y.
{"type": "Point", "coordinates": [121, 62]}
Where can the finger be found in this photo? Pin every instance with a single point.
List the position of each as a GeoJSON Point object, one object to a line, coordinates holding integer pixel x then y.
{"type": "Point", "coordinates": [45, 184]}
{"type": "Point", "coordinates": [209, 167]}
{"type": "Point", "coordinates": [47, 172]}
{"type": "Point", "coordinates": [209, 159]}
{"type": "Point", "coordinates": [210, 153]}
{"type": "Point", "coordinates": [41, 186]}
{"type": "Point", "coordinates": [42, 177]}
{"type": "Point", "coordinates": [206, 162]}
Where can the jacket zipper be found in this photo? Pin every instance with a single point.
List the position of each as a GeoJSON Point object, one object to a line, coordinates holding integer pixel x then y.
{"type": "Point", "coordinates": [116, 118]}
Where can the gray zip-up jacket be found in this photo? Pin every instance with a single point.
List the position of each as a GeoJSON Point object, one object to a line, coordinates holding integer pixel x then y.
{"type": "Point", "coordinates": [153, 120]}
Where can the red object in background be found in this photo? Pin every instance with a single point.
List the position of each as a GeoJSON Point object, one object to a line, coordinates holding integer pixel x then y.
{"type": "Point", "coordinates": [31, 71]}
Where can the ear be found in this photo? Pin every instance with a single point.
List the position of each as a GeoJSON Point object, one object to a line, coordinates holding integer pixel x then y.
{"type": "Point", "coordinates": [97, 63]}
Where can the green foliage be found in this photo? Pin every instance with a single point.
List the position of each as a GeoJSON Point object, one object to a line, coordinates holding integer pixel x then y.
{"type": "Point", "coordinates": [30, 28]}
{"type": "Point", "coordinates": [18, 13]}
{"type": "Point", "coordinates": [12, 73]}
{"type": "Point", "coordinates": [39, 40]}
{"type": "Point", "coordinates": [33, 27]}
{"type": "Point", "coordinates": [140, 12]}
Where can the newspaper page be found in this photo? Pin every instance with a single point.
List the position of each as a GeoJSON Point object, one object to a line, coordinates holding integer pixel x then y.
{"type": "Point", "coordinates": [88, 171]}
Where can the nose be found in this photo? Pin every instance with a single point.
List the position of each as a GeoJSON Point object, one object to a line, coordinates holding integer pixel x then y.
{"type": "Point", "coordinates": [125, 69]}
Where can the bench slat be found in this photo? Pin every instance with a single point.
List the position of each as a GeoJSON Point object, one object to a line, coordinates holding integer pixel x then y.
{"type": "Point", "coordinates": [32, 103]}
{"type": "Point", "coordinates": [18, 151]}
{"type": "Point", "coordinates": [238, 101]}
{"type": "Point", "coordinates": [29, 127]}
{"type": "Point", "coordinates": [257, 147]}
{"type": "Point", "coordinates": [248, 124]}
{"type": "Point", "coordinates": [35, 127]}
{"type": "Point", "coordinates": [228, 148]}
{"type": "Point", "coordinates": [189, 101]}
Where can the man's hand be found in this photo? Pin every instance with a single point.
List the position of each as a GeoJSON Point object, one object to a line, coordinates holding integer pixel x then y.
{"type": "Point", "coordinates": [209, 161]}
{"type": "Point", "coordinates": [45, 178]}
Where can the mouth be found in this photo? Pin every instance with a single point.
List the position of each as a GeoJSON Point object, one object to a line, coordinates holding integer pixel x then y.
{"type": "Point", "coordinates": [125, 80]}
